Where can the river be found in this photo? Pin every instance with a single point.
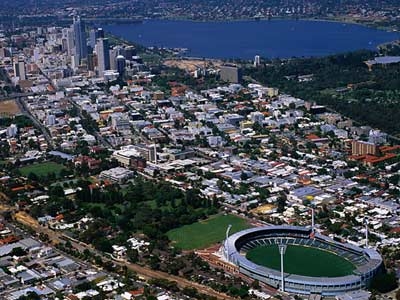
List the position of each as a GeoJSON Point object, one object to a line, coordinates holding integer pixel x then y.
{"type": "Point", "coordinates": [245, 39]}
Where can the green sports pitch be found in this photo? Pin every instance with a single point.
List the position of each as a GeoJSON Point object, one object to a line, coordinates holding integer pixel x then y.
{"type": "Point", "coordinates": [205, 233]}
{"type": "Point", "coordinates": [42, 169]}
{"type": "Point", "coordinates": [302, 260]}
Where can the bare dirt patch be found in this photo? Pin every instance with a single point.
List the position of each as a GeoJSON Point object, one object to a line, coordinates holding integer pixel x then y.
{"type": "Point", "coordinates": [191, 65]}
{"type": "Point", "coordinates": [9, 108]}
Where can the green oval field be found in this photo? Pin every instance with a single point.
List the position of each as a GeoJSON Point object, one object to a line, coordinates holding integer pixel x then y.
{"type": "Point", "coordinates": [302, 260]}
{"type": "Point", "coordinates": [205, 233]}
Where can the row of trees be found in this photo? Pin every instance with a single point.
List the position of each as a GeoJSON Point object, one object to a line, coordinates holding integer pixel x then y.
{"type": "Point", "coordinates": [144, 206]}
{"type": "Point", "coordinates": [374, 93]}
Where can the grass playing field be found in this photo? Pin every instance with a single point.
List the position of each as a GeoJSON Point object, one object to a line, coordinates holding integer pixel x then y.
{"type": "Point", "coordinates": [302, 260]}
{"type": "Point", "coordinates": [205, 233]}
{"type": "Point", "coordinates": [42, 169]}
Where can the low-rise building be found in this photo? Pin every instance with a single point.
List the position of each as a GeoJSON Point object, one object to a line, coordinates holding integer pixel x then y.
{"type": "Point", "coordinates": [119, 174]}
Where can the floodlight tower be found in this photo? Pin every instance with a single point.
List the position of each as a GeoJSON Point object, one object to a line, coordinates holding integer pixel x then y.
{"type": "Point", "coordinates": [227, 230]}
{"type": "Point", "coordinates": [225, 245]}
{"type": "Point", "coordinates": [155, 153]}
{"type": "Point", "coordinates": [366, 222]}
{"type": "Point", "coordinates": [282, 250]}
{"type": "Point", "coordinates": [312, 220]}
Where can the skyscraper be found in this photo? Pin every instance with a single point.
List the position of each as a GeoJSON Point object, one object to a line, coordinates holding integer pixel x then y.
{"type": "Point", "coordinates": [19, 69]}
{"type": "Point", "coordinates": [96, 33]}
{"type": "Point", "coordinates": [103, 56]}
{"type": "Point", "coordinates": [93, 37]}
{"type": "Point", "coordinates": [121, 64]}
{"type": "Point", "coordinates": [91, 62]}
{"type": "Point", "coordinates": [68, 34]}
{"type": "Point", "coordinates": [80, 38]}
{"type": "Point", "coordinates": [231, 73]}
{"type": "Point", "coordinates": [113, 58]}
{"type": "Point", "coordinates": [128, 52]}
{"type": "Point", "coordinates": [100, 33]}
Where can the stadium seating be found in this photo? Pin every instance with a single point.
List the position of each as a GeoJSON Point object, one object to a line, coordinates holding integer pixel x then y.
{"type": "Point", "coordinates": [354, 257]}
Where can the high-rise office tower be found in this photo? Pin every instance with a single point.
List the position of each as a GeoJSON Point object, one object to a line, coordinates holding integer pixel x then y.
{"type": "Point", "coordinates": [128, 52]}
{"type": "Point", "coordinates": [64, 39]}
{"type": "Point", "coordinates": [80, 38]}
{"type": "Point", "coordinates": [113, 58]}
{"type": "Point", "coordinates": [94, 34]}
{"type": "Point", "coordinates": [93, 37]}
{"type": "Point", "coordinates": [231, 73]}
{"type": "Point", "coordinates": [68, 35]}
{"type": "Point", "coordinates": [256, 60]}
{"type": "Point", "coordinates": [19, 69]}
{"type": "Point", "coordinates": [100, 33]}
{"type": "Point", "coordinates": [91, 62]}
{"type": "Point", "coordinates": [121, 64]}
{"type": "Point", "coordinates": [74, 62]}
{"type": "Point", "coordinates": [36, 54]}
{"type": "Point", "coordinates": [103, 56]}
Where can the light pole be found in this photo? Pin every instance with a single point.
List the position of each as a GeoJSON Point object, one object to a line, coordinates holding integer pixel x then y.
{"type": "Point", "coordinates": [227, 231]}
{"type": "Point", "coordinates": [225, 244]}
{"type": "Point", "coordinates": [366, 222]}
{"type": "Point", "coordinates": [312, 206]}
{"type": "Point", "coordinates": [282, 250]}
{"type": "Point", "coordinates": [312, 219]}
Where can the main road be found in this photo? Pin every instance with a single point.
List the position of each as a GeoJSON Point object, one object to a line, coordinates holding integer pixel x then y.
{"type": "Point", "coordinates": [57, 237]}
{"type": "Point", "coordinates": [98, 136]}
{"type": "Point", "coordinates": [19, 100]}
{"type": "Point", "coordinates": [24, 110]}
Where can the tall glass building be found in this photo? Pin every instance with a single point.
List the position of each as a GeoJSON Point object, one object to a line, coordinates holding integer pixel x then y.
{"type": "Point", "coordinates": [81, 49]}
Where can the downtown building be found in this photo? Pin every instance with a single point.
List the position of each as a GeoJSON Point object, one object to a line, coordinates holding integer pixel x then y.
{"type": "Point", "coordinates": [103, 56]}
{"type": "Point", "coordinates": [81, 49]}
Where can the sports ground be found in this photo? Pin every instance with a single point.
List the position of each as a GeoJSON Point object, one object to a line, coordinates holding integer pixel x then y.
{"type": "Point", "coordinates": [205, 233]}
{"type": "Point", "coordinates": [302, 260]}
{"type": "Point", "coordinates": [42, 169]}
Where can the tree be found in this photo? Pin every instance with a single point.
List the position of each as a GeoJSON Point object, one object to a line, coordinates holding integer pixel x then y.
{"type": "Point", "coordinates": [398, 295]}
{"type": "Point", "coordinates": [32, 176]}
{"type": "Point", "coordinates": [132, 255]}
{"type": "Point", "coordinates": [4, 149]}
{"type": "Point", "coordinates": [51, 176]}
{"type": "Point", "coordinates": [394, 179]}
{"type": "Point", "coordinates": [30, 296]}
{"type": "Point", "coordinates": [191, 292]}
{"type": "Point", "coordinates": [56, 191]}
{"type": "Point", "coordinates": [18, 252]}
{"type": "Point", "coordinates": [103, 244]}
{"type": "Point", "coordinates": [281, 203]}
{"type": "Point", "coordinates": [32, 144]}
{"type": "Point", "coordinates": [255, 285]}
{"type": "Point", "coordinates": [84, 286]}
{"type": "Point", "coordinates": [384, 283]}
{"type": "Point", "coordinates": [82, 148]}
{"type": "Point", "coordinates": [64, 173]}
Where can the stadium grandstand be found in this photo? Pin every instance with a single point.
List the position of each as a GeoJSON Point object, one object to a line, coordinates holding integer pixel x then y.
{"type": "Point", "coordinates": [364, 263]}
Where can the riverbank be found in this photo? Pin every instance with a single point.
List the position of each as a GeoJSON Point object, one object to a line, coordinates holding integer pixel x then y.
{"type": "Point", "coordinates": [339, 19]}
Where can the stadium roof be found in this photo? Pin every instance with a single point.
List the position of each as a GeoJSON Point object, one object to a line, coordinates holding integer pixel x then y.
{"type": "Point", "coordinates": [234, 256]}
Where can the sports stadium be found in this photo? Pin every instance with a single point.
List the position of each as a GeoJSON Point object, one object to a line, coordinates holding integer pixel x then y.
{"type": "Point", "coordinates": [312, 264]}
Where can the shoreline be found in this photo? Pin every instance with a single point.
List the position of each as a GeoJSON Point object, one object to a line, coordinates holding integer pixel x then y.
{"type": "Point", "coordinates": [280, 18]}
{"type": "Point", "coordinates": [342, 20]}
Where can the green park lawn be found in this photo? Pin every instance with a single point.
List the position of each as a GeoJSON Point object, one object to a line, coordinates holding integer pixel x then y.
{"type": "Point", "coordinates": [42, 169]}
{"type": "Point", "coordinates": [205, 233]}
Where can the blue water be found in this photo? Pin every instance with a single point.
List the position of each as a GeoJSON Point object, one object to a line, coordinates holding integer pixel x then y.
{"type": "Point", "coordinates": [245, 39]}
